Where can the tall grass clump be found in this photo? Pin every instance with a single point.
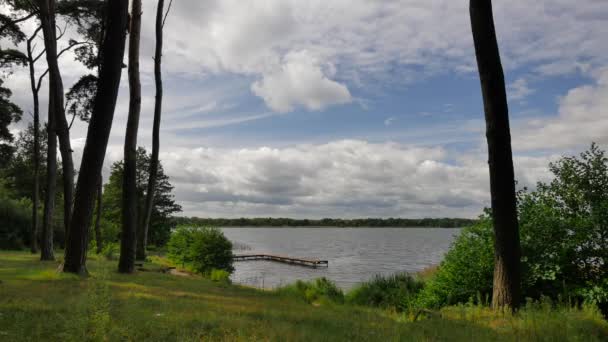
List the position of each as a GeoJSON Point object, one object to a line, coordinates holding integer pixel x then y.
{"type": "Point", "coordinates": [318, 290]}
{"type": "Point", "coordinates": [395, 292]}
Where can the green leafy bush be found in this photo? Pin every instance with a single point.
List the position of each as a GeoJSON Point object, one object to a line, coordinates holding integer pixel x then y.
{"type": "Point", "coordinates": [15, 220]}
{"type": "Point", "coordinates": [397, 292]}
{"type": "Point", "coordinates": [564, 241]}
{"type": "Point", "coordinates": [321, 289]}
{"type": "Point", "coordinates": [201, 249]}
{"type": "Point", "coordinates": [220, 276]}
{"type": "Point", "coordinates": [466, 270]}
{"type": "Point", "coordinates": [110, 250]}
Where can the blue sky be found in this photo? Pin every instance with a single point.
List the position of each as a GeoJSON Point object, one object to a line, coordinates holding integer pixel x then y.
{"type": "Point", "coordinates": [358, 108]}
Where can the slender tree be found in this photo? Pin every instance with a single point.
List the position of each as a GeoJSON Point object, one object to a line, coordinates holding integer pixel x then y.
{"type": "Point", "coordinates": [142, 239]}
{"type": "Point", "coordinates": [46, 246]}
{"type": "Point", "coordinates": [47, 22]}
{"type": "Point", "coordinates": [507, 287]}
{"type": "Point", "coordinates": [47, 16]}
{"type": "Point", "coordinates": [128, 241]}
{"type": "Point", "coordinates": [112, 55]}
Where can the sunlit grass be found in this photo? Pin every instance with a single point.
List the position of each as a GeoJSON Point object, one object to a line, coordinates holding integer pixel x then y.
{"type": "Point", "coordinates": [39, 304]}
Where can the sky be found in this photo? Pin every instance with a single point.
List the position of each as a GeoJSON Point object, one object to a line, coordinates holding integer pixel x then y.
{"type": "Point", "coordinates": [355, 108]}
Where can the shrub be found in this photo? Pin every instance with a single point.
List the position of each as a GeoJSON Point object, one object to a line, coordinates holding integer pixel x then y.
{"type": "Point", "coordinates": [220, 276]}
{"type": "Point", "coordinates": [397, 292]}
{"type": "Point", "coordinates": [466, 270]}
{"type": "Point", "coordinates": [110, 250]}
{"type": "Point", "coordinates": [564, 241]}
{"type": "Point", "coordinates": [201, 249]}
{"type": "Point", "coordinates": [321, 289]}
{"type": "Point", "coordinates": [15, 219]}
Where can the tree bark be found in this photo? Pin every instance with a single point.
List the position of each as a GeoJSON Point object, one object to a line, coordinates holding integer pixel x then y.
{"type": "Point", "coordinates": [47, 19]}
{"type": "Point", "coordinates": [142, 240]}
{"type": "Point", "coordinates": [46, 247]}
{"type": "Point", "coordinates": [98, 135]}
{"type": "Point", "coordinates": [55, 103]}
{"type": "Point", "coordinates": [128, 242]}
{"type": "Point", "coordinates": [98, 239]}
{"type": "Point", "coordinates": [36, 156]}
{"type": "Point", "coordinates": [507, 278]}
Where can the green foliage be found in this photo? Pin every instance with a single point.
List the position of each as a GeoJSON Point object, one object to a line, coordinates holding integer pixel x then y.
{"type": "Point", "coordinates": [564, 240]}
{"type": "Point", "coordinates": [220, 276]}
{"type": "Point", "coordinates": [15, 220]}
{"type": "Point", "coordinates": [201, 249]}
{"type": "Point", "coordinates": [396, 292]}
{"type": "Point", "coordinates": [466, 270]}
{"type": "Point", "coordinates": [320, 289]}
{"type": "Point", "coordinates": [164, 202]}
{"type": "Point", "coordinates": [110, 250]}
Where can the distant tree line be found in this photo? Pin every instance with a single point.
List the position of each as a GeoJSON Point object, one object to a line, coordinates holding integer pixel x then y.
{"type": "Point", "coordinates": [326, 222]}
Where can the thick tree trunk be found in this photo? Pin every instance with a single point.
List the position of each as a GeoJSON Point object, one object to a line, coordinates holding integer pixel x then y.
{"type": "Point", "coordinates": [98, 239]}
{"type": "Point", "coordinates": [142, 240]}
{"type": "Point", "coordinates": [46, 246]}
{"type": "Point", "coordinates": [507, 252]}
{"type": "Point", "coordinates": [36, 156]}
{"type": "Point", "coordinates": [47, 19]}
{"type": "Point", "coordinates": [128, 242]}
{"type": "Point", "coordinates": [98, 135]}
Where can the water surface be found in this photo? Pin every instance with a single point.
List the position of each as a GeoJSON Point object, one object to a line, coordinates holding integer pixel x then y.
{"type": "Point", "coordinates": [354, 254]}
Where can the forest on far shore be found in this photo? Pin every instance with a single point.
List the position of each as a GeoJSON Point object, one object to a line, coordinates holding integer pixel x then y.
{"type": "Point", "coordinates": [326, 222]}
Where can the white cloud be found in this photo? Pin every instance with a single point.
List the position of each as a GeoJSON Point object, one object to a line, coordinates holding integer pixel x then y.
{"type": "Point", "coordinates": [300, 81]}
{"type": "Point", "coordinates": [519, 90]}
{"type": "Point", "coordinates": [582, 118]}
{"type": "Point", "coordinates": [389, 121]}
{"type": "Point", "coordinates": [347, 178]}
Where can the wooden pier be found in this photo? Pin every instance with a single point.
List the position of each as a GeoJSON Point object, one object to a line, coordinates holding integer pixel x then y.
{"type": "Point", "coordinates": [281, 258]}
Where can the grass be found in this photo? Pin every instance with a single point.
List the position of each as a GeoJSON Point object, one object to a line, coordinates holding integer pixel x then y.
{"type": "Point", "coordinates": [37, 303]}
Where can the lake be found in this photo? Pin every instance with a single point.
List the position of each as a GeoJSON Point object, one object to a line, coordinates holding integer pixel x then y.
{"type": "Point", "coordinates": [354, 254]}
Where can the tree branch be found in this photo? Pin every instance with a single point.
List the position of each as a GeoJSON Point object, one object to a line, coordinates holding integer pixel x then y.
{"type": "Point", "coordinates": [58, 55]}
{"type": "Point", "coordinates": [17, 21]}
{"type": "Point", "coordinates": [167, 13]}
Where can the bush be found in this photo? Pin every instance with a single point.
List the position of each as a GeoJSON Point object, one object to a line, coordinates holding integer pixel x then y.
{"type": "Point", "coordinates": [220, 276]}
{"type": "Point", "coordinates": [110, 250]}
{"type": "Point", "coordinates": [564, 241]}
{"type": "Point", "coordinates": [15, 219]}
{"type": "Point", "coordinates": [15, 223]}
{"type": "Point", "coordinates": [466, 271]}
{"type": "Point", "coordinates": [320, 289]}
{"type": "Point", "coordinates": [201, 249]}
{"type": "Point", "coordinates": [397, 292]}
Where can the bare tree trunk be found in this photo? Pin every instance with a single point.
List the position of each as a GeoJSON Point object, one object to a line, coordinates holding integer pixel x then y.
{"type": "Point", "coordinates": [142, 240]}
{"type": "Point", "coordinates": [128, 242]}
{"type": "Point", "coordinates": [55, 95]}
{"type": "Point", "coordinates": [507, 278]}
{"type": "Point", "coordinates": [47, 19]}
{"type": "Point", "coordinates": [46, 247]}
{"type": "Point", "coordinates": [98, 135]}
{"type": "Point", "coordinates": [98, 239]}
{"type": "Point", "coordinates": [36, 156]}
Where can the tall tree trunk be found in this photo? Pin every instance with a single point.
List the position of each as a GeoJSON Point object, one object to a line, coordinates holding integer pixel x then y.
{"type": "Point", "coordinates": [98, 239]}
{"type": "Point", "coordinates": [47, 19]}
{"type": "Point", "coordinates": [128, 242]}
{"type": "Point", "coordinates": [507, 278]}
{"type": "Point", "coordinates": [142, 240]}
{"type": "Point", "coordinates": [36, 156]}
{"type": "Point", "coordinates": [98, 135]}
{"type": "Point", "coordinates": [46, 247]}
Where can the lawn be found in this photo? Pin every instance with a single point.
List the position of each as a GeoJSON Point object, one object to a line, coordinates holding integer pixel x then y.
{"type": "Point", "coordinates": [39, 304]}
